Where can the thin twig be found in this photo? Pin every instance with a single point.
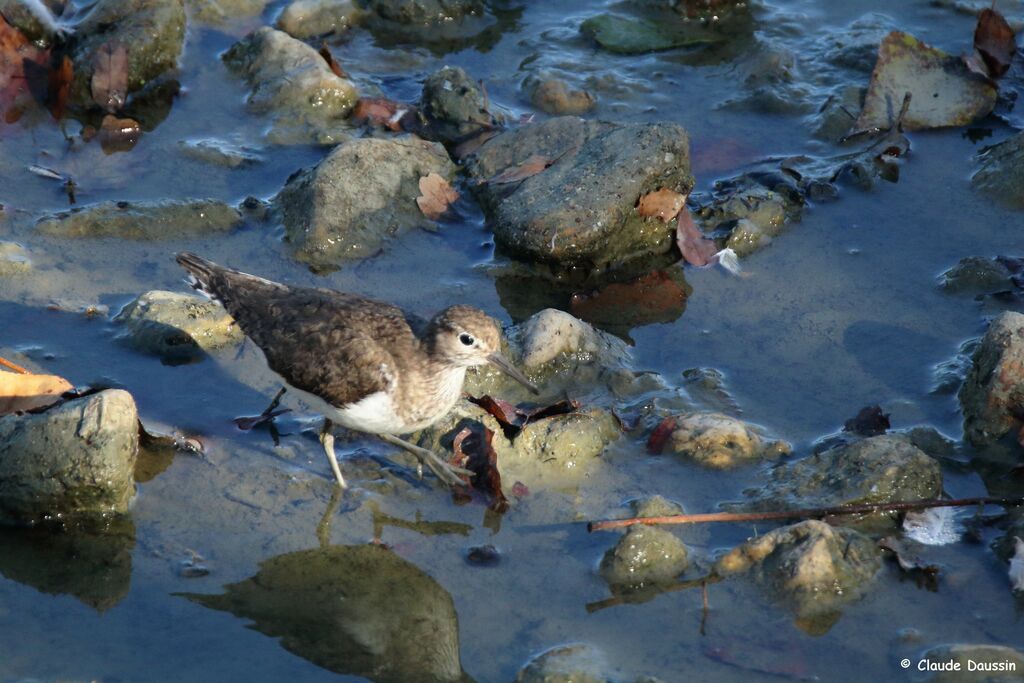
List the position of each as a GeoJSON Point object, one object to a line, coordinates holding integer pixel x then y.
{"type": "Point", "coordinates": [11, 366]}
{"type": "Point", "coordinates": [857, 509]}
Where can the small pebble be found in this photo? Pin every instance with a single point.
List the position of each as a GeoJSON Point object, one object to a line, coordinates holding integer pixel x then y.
{"type": "Point", "coordinates": [483, 555]}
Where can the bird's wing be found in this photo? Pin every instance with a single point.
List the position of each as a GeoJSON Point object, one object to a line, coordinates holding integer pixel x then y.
{"type": "Point", "coordinates": [324, 342]}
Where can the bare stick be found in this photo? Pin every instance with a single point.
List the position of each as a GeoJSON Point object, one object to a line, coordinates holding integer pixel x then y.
{"type": "Point", "coordinates": [11, 366]}
{"type": "Point", "coordinates": [857, 509]}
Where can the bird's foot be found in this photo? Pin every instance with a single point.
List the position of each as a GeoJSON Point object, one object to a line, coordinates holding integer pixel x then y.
{"type": "Point", "coordinates": [446, 472]}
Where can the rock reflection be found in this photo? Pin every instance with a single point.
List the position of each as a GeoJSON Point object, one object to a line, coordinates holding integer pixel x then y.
{"type": "Point", "coordinates": [359, 610]}
{"type": "Point", "coordinates": [90, 560]}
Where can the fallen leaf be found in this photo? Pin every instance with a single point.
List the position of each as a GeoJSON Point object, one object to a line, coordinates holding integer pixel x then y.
{"type": "Point", "coordinates": [59, 87]}
{"type": "Point", "coordinates": [118, 135]}
{"type": "Point", "coordinates": [435, 196]}
{"type": "Point", "coordinates": [110, 76]}
{"type": "Point", "coordinates": [926, 575]}
{"type": "Point", "coordinates": [531, 167]}
{"type": "Point", "coordinates": [664, 204]}
{"type": "Point", "coordinates": [659, 437]}
{"type": "Point", "coordinates": [473, 450]}
{"type": "Point", "coordinates": [870, 421]}
{"type": "Point", "coordinates": [21, 63]}
{"type": "Point", "coordinates": [933, 526]}
{"type": "Point", "coordinates": [995, 41]}
{"type": "Point", "coordinates": [696, 249]}
{"type": "Point", "coordinates": [22, 392]}
{"type": "Point", "coordinates": [1017, 565]}
{"type": "Point", "coordinates": [653, 298]}
{"type": "Point", "coordinates": [513, 418]}
{"type": "Point", "coordinates": [943, 91]}
{"type": "Point", "coordinates": [384, 113]}
{"type": "Point", "coordinates": [332, 63]}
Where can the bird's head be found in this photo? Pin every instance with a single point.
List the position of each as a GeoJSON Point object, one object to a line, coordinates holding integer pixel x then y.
{"type": "Point", "coordinates": [466, 336]}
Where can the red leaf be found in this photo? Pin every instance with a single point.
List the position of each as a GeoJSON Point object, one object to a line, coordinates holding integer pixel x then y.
{"type": "Point", "coordinates": [473, 450]}
{"type": "Point", "coordinates": [996, 42]}
{"type": "Point", "coordinates": [332, 63]}
{"type": "Point", "coordinates": [513, 418]}
{"type": "Point", "coordinates": [656, 441]}
{"type": "Point", "coordinates": [110, 76]}
{"type": "Point", "coordinates": [381, 112]}
{"type": "Point", "coordinates": [22, 64]}
{"type": "Point", "coordinates": [697, 249]}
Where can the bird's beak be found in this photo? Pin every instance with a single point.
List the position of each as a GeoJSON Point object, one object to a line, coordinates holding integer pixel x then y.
{"type": "Point", "coordinates": [502, 364]}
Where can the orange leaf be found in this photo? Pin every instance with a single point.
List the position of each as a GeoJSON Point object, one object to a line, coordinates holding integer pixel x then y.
{"type": "Point", "coordinates": [17, 55]}
{"type": "Point", "coordinates": [697, 249]}
{"type": "Point", "coordinates": [384, 113]}
{"type": "Point", "coordinates": [332, 63]}
{"type": "Point", "coordinates": [663, 203]}
{"type": "Point", "coordinates": [436, 196]}
{"type": "Point", "coordinates": [110, 76]}
{"type": "Point", "coordinates": [60, 87]}
{"type": "Point", "coordinates": [19, 393]}
{"type": "Point", "coordinates": [996, 42]}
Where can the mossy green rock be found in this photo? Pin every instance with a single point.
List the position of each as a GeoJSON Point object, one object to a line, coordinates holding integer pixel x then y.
{"type": "Point", "coordinates": [177, 327]}
{"type": "Point", "coordinates": [143, 220]}
{"type": "Point", "coordinates": [645, 556]}
{"type": "Point", "coordinates": [627, 36]}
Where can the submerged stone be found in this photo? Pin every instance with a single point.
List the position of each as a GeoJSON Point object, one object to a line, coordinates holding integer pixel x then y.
{"type": "Point", "coordinates": [143, 220]}
{"type": "Point", "coordinates": [556, 97]}
{"type": "Point", "coordinates": [976, 275]}
{"type": "Point", "coordinates": [1001, 172]}
{"type": "Point", "coordinates": [216, 12]}
{"type": "Point", "coordinates": [14, 259]}
{"type": "Point", "coordinates": [177, 327]}
{"type": "Point", "coordinates": [645, 556]}
{"type": "Point", "coordinates": [305, 19]}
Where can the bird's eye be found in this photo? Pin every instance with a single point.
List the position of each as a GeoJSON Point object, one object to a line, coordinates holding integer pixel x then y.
{"type": "Point", "coordinates": [466, 339]}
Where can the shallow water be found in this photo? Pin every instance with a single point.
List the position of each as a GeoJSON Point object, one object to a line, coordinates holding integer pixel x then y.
{"type": "Point", "coordinates": [839, 312]}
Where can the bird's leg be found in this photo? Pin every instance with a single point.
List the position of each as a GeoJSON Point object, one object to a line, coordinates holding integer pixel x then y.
{"type": "Point", "coordinates": [449, 474]}
{"type": "Point", "coordinates": [327, 439]}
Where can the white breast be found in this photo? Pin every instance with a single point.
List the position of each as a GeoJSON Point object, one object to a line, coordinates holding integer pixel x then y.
{"type": "Point", "coordinates": [374, 413]}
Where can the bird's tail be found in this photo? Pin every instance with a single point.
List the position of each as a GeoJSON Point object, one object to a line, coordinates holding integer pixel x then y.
{"type": "Point", "coordinates": [202, 270]}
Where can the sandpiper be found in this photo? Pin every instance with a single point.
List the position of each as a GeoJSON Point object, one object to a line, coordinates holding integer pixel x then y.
{"type": "Point", "coordinates": [361, 363]}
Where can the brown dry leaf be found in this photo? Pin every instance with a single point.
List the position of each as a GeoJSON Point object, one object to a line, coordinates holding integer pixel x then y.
{"type": "Point", "coordinates": [21, 63]}
{"type": "Point", "coordinates": [384, 113]}
{"type": "Point", "coordinates": [473, 450]}
{"type": "Point", "coordinates": [118, 135]}
{"type": "Point", "coordinates": [60, 87]}
{"type": "Point", "coordinates": [21, 392]}
{"type": "Point", "coordinates": [436, 196]}
{"type": "Point", "coordinates": [664, 204]}
{"type": "Point", "coordinates": [995, 41]}
{"type": "Point", "coordinates": [697, 249]}
{"type": "Point", "coordinates": [110, 76]}
{"type": "Point", "coordinates": [659, 437]}
{"type": "Point", "coordinates": [332, 63]}
{"type": "Point", "coordinates": [513, 418]}
{"type": "Point", "coordinates": [531, 167]}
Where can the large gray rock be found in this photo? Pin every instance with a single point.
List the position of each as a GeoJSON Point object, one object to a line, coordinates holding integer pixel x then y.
{"type": "Point", "coordinates": [880, 469]}
{"type": "Point", "coordinates": [1001, 175]}
{"type": "Point", "coordinates": [305, 19]}
{"type": "Point", "coordinates": [581, 210]}
{"type": "Point", "coordinates": [292, 82]}
{"type": "Point", "coordinates": [814, 567]}
{"type": "Point", "coordinates": [143, 220]}
{"type": "Point", "coordinates": [990, 397]}
{"type": "Point", "coordinates": [77, 457]}
{"type": "Point", "coordinates": [177, 327]}
{"type": "Point", "coordinates": [362, 194]}
{"type": "Point", "coordinates": [152, 30]}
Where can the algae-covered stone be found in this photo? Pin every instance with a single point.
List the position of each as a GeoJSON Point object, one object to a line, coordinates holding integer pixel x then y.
{"type": "Point", "coordinates": [14, 259]}
{"type": "Point", "coordinates": [177, 327]}
{"type": "Point", "coordinates": [991, 395]}
{"type": "Point", "coordinates": [76, 457]}
{"type": "Point", "coordinates": [292, 82]}
{"type": "Point", "coordinates": [719, 441]}
{"type": "Point", "coordinates": [629, 36]}
{"type": "Point", "coordinates": [304, 19]}
{"type": "Point", "coordinates": [581, 209]}
{"type": "Point", "coordinates": [571, 663]}
{"type": "Point", "coordinates": [881, 469]}
{"type": "Point", "coordinates": [813, 566]}
{"type": "Point", "coordinates": [153, 31]}
{"type": "Point", "coordinates": [1001, 176]}
{"type": "Point", "coordinates": [655, 506]}
{"type": "Point", "coordinates": [977, 663]}
{"type": "Point", "coordinates": [454, 105]}
{"type": "Point", "coordinates": [645, 556]}
{"type": "Point", "coordinates": [220, 152]}
{"type": "Point", "coordinates": [361, 195]}
{"type": "Point", "coordinates": [561, 446]}
{"type": "Point", "coordinates": [143, 220]}
{"type": "Point", "coordinates": [976, 275]}
{"type": "Point", "coordinates": [758, 215]}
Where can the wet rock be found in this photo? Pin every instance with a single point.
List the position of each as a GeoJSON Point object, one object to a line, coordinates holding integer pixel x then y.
{"type": "Point", "coordinates": [836, 117]}
{"type": "Point", "coordinates": [14, 259]}
{"type": "Point", "coordinates": [454, 105]}
{"type": "Point", "coordinates": [977, 663]}
{"type": "Point", "coordinates": [556, 448]}
{"type": "Point", "coordinates": [152, 30]}
{"type": "Point", "coordinates": [216, 12]}
{"type": "Point", "coordinates": [143, 220]}
{"type": "Point", "coordinates": [220, 152]}
{"type": "Point", "coordinates": [990, 397]}
{"type": "Point", "coordinates": [976, 275]}
{"type": "Point", "coordinates": [655, 506]}
{"type": "Point", "coordinates": [580, 211]}
{"type": "Point", "coordinates": [76, 457]}
{"type": "Point", "coordinates": [305, 19]}
{"type": "Point", "coordinates": [879, 469]}
{"type": "Point", "coordinates": [753, 214]}
{"type": "Point", "coordinates": [721, 442]}
{"type": "Point", "coordinates": [631, 36]}
{"type": "Point", "coordinates": [292, 82]}
{"type": "Point", "coordinates": [1001, 176]}
{"type": "Point", "coordinates": [29, 18]}
{"type": "Point", "coordinates": [645, 556]}
{"type": "Point", "coordinates": [357, 198]}
{"type": "Point", "coordinates": [572, 663]}
{"type": "Point", "coordinates": [177, 327]}
{"type": "Point", "coordinates": [814, 567]}
{"type": "Point", "coordinates": [556, 97]}
{"type": "Point", "coordinates": [424, 11]}
{"type": "Point", "coordinates": [356, 610]}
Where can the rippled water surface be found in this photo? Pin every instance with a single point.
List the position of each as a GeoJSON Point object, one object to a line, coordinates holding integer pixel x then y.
{"type": "Point", "coordinates": [840, 311]}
